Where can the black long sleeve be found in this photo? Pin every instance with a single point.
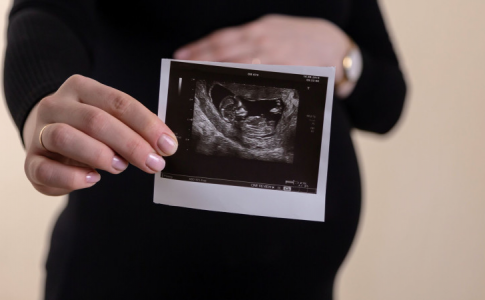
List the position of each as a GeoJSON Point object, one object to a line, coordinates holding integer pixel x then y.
{"type": "Point", "coordinates": [47, 42]}
{"type": "Point", "coordinates": [377, 100]}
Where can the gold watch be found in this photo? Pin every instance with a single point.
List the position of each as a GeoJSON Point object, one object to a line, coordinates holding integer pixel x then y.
{"type": "Point", "coordinates": [352, 65]}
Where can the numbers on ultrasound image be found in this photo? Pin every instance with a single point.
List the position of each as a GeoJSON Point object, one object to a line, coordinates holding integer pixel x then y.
{"type": "Point", "coordinates": [309, 78]}
{"type": "Point", "coordinates": [297, 183]}
{"type": "Point", "coordinates": [262, 186]}
{"type": "Point", "coordinates": [312, 120]}
{"type": "Point", "coordinates": [195, 179]}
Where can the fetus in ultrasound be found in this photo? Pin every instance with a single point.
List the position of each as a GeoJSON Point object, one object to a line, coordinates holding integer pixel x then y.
{"type": "Point", "coordinates": [254, 117]}
{"type": "Point", "coordinates": [245, 121]}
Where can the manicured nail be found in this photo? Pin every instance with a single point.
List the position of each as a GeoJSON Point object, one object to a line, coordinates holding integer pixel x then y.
{"type": "Point", "coordinates": [119, 163]}
{"type": "Point", "coordinates": [155, 162]}
{"type": "Point", "coordinates": [167, 144]}
{"type": "Point", "coordinates": [182, 54]}
{"type": "Point", "coordinates": [92, 177]}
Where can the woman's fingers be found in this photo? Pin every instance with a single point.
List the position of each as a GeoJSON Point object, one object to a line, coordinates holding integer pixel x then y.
{"type": "Point", "coordinates": [126, 109]}
{"type": "Point", "coordinates": [71, 143]}
{"type": "Point", "coordinates": [240, 51]}
{"type": "Point", "coordinates": [50, 191]}
{"type": "Point", "coordinates": [232, 53]}
{"type": "Point", "coordinates": [52, 174]}
{"type": "Point", "coordinates": [110, 131]}
{"type": "Point", "coordinates": [202, 49]}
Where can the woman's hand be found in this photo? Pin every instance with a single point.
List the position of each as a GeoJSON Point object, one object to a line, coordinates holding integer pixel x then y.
{"type": "Point", "coordinates": [274, 39]}
{"type": "Point", "coordinates": [86, 126]}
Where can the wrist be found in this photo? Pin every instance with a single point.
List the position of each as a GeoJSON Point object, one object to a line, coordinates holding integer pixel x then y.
{"type": "Point", "coordinates": [351, 65]}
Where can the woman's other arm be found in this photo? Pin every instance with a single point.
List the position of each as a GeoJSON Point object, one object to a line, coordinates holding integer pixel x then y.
{"type": "Point", "coordinates": [377, 100]}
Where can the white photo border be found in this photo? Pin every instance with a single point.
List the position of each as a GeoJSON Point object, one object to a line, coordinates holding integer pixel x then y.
{"type": "Point", "coordinates": [243, 200]}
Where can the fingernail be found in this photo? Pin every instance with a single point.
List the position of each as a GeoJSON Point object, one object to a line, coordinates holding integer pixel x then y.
{"type": "Point", "coordinates": [167, 144]}
{"type": "Point", "coordinates": [182, 54]}
{"type": "Point", "coordinates": [119, 163]}
{"type": "Point", "coordinates": [155, 162]}
{"type": "Point", "coordinates": [93, 177]}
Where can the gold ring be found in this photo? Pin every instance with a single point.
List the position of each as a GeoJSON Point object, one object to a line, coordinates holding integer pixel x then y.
{"type": "Point", "coordinates": [40, 136]}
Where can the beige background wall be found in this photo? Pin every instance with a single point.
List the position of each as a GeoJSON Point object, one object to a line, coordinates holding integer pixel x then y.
{"type": "Point", "coordinates": [422, 230]}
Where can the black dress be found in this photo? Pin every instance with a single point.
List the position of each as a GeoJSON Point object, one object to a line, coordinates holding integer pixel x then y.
{"type": "Point", "coordinates": [111, 241]}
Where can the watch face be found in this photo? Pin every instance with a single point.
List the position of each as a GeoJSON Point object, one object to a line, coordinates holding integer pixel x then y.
{"type": "Point", "coordinates": [353, 65]}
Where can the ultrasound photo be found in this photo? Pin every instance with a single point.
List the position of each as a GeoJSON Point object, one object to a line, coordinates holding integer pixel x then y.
{"type": "Point", "coordinates": [245, 121]}
{"type": "Point", "coordinates": [253, 139]}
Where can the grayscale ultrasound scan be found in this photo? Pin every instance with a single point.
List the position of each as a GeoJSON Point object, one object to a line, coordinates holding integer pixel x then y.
{"type": "Point", "coordinates": [245, 121]}
{"type": "Point", "coordinates": [240, 127]}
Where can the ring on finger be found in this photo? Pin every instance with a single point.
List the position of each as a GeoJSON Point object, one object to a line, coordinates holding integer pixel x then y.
{"type": "Point", "coordinates": [40, 136]}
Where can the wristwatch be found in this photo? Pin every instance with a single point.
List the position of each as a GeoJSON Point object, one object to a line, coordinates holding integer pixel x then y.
{"type": "Point", "coordinates": [352, 65]}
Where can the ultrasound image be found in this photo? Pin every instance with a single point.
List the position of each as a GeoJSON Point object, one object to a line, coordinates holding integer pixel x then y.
{"type": "Point", "coordinates": [245, 121]}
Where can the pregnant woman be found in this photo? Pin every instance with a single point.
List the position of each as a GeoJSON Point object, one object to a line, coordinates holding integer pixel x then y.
{"type": "Point", "coordinates": [81, 132]}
